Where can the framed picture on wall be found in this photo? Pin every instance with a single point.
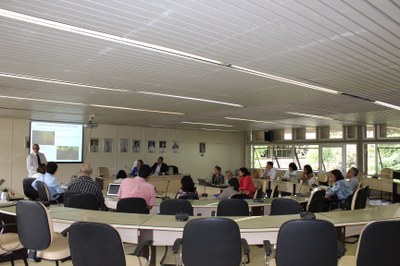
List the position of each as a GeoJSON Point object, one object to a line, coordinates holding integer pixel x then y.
{"type": "Point", "coordinates": [94, 145]}
{"type": "Point", "coordinates": [175, 146]}
{"type": "Point", "coordinates": [108, 145]}
{"type": "Point", "coordinates": [202, 147]}
{"type": "Point", "coordinates": [162, 146]}
{"type": "Point", "coordinates": [135, 145]}
{"type": "Point", "coordinates": [151, 146]}
{"type": "Point", "coordinates": [123, 145]}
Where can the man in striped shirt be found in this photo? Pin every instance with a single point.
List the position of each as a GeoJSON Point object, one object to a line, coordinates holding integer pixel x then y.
{"type": "Point", "coordinates": [85, 184]}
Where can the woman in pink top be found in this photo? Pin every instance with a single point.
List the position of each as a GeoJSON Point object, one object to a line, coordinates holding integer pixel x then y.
{"type": "Point", "coordinates": [246, 184]}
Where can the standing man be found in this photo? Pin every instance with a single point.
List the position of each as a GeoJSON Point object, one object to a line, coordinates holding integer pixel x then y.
{"type": "Point", "coordinates": [270, 171]}
{"type": "Point", "coordinates": [34, 160]}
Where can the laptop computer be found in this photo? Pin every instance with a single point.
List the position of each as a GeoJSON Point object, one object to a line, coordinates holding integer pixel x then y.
{"type": "Point", "coordinates": [112, 189]}
{"type": "Point", "coordinates": [202, 182]}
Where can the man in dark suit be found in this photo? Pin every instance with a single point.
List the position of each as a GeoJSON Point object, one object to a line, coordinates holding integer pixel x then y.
{"type": "Point", "coordinates": [159, 167]}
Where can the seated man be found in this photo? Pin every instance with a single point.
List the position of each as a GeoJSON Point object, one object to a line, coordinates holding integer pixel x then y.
{"type": "Point", "coordinates": [137, 187]}
{"type": "Point", "coordinates": [352, 178]}
{"type": "Point", "coordinates": [51, 181]}
{"type": "Point", "coordinates": [217, 178]}
{"type": "Point", "coordinates": [85, 184]}
{"type": "Point", "coordinates": [159, 167]}
{"type": "Point", "coordinates": [270, 171]}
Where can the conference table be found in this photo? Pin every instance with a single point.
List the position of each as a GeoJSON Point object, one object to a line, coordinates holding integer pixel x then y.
{"type": "Point", "coordinates": [383, 184]}
{"type": "Point", "coordinates": [208, 206]}
{"type": "Point", "coordinates": [163, 229]}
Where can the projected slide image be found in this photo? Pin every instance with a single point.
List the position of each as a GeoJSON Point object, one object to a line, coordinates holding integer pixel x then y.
{"type": "Point", "coordinates": [43, 137]}
{"type": "Point", "coordinates": [60, 142]}
{"type": "Point", "coordinates": [67, 153]}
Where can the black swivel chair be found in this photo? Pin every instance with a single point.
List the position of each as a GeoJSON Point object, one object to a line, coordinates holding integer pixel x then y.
{"type": "Point", "coordinates": [233, 207]}
{"type": "Point", "coordinates": [172, 169]}
{"type": "Point", "coordinates": [172, 207]}
{"type": "Point", "coordinates": [212, 242]}
{"type": "Point", "coordinates": [305, 243]}
{"type": "Point", "coordinates": [96, 244]}
{"type": "Point", "coordinates": [318, 202]}
{"type": "Point", "coordinates": [379, 242]}
{"type": "Point", "coordinates": [29, 191]}
{"type": "Point", "coordinates": [82, 201]}
{"type": "Point", "coordinates": [239, 196]}
{"type": "Point", "coordinates": [35, 231]}
{"type": "Point", "coordinates": [281, 206]}
{"type": "Point", "coordinates": [132, 205]}
{"type": "Point", "coordinates": [44, 194]}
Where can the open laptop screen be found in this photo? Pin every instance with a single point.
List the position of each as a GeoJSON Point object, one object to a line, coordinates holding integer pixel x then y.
{"type": "Point", "coordinates": [112, 189]}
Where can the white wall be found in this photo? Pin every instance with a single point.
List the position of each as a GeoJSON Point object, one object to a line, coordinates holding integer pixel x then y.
{"type": "Point", "coordinates": [224, 149]}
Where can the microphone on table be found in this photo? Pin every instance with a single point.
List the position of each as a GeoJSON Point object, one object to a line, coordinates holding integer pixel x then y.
{"type": "Point", "coordinates": [165, 197]}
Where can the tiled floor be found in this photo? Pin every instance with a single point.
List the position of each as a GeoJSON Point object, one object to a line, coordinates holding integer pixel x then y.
{"type": "Point", "coordinates": [256, 253]}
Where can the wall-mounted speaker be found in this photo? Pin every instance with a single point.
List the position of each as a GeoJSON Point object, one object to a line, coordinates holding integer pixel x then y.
{"type": "Point", "coordinates": [269, 136]}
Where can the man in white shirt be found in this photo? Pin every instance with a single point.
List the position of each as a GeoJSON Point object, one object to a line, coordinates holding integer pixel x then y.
{"type": "Point", "coordinates": [35, 159]}
{"type": "Point", "coordinates": [270, 171]}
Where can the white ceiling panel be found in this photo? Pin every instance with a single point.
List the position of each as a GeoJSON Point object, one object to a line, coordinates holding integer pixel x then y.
{"type": "Point", "coordinates": [349, 46]}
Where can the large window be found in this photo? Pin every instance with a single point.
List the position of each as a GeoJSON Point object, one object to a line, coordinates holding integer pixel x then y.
{"type": "Point", "coordinates": [320, 157]}
{"type": "Point", "coordinates": [381, 156]}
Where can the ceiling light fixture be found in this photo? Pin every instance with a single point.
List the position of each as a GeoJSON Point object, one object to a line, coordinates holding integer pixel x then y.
{"type": "Point", "coordinates": [248, 120]}
{"type": "Point", "coordinates": [310, 115]}
{"type": "Point", "coordinates": [135, 109]}
{"type": "Point", "coordinates": [104, 36]}
{"type": "Point", "coordinates": [281, 79]}
{"type": "Point", "coordinates": [220, 130]}
{"type": "Point", "coordinates": [206, 124]}
{"type": "Point", "coordinates": [57, 81]}
{"type": "Point", "coordinates": [387, 105]}
{"type": "Point", "coordinates": [189, 98]}
{"type": "Point", "coordinates": [41, 100]}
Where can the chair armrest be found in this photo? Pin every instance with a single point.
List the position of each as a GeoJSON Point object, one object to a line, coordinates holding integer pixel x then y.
{"type": "Point", "coordinates": [267, 247]}
{"type": "Point", "coordinates": [141, 245]}
{"type": "Point", "coordinates": [246, 249]}
{"type": "Point", "coordinates": [341, 249]}
{"type": "Point", "coordinates": [65, 232]}
{"type": "Point", "coordinates": [177, 245]}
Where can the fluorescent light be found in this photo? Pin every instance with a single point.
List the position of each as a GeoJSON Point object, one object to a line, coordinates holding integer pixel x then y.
{"type": "Point", "coordinates": [41, 100]}
{"type": "Point", "coordinates": [135, 109]}
{"type": "Point", "coordinates": [220, 130]}
{"type": "Point", "coordinates": [248, 120]}
{"type": "Point", "coordinates": [281, 79]}
{"type": "Point", "coordinates": [189, 98]}
{"type": "Point", "coordinates": [207, 124]}
{"type": "Point", "coordinates": [104, 36]}
{"type": "Point", "coordinates": [57, 81]}
{"type": "Point", "coordinates": [387, 105]}
{"type": "Point", "coordinates": [310, 115]}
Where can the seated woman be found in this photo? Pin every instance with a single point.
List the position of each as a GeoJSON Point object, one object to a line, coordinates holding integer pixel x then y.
{"type": "Point", "coordinates": [188, 190]}
{"type": "Point", "coordinates": [246, 184]}
{"type": "Point", "coordinates": [308, 176]}
{"type": "Point", "coordinates": [291, 173]}
{"type": "Point", "coordinates": [121, 175]}
{"type": "Point", "coordinates": [233, 189]}
{"type": "Point", "coordinates": [340, 190]}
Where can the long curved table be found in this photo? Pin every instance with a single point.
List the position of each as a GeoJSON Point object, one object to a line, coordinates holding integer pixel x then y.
{"type": "Point", "coordinates": [163, 230]}
{"type": "Point", "coordinates": [208, 206]}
